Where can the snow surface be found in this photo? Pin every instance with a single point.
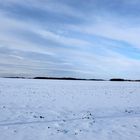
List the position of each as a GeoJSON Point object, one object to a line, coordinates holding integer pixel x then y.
{"type": "Point", "coordinates": [69, 110]}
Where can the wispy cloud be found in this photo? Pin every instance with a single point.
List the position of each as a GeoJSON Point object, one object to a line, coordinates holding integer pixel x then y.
{"type": "Point", "coordinates": [93, 38]}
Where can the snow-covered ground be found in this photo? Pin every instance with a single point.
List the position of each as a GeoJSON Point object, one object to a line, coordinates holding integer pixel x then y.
{"type": "Point", "coordinates": [69, 110]}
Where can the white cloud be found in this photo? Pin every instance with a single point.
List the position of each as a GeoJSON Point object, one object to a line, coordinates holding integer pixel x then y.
{"type": "Point", "coordinates": [75, 59]}
{"type": "Point", "coordinates": [62, 39]}
{"type": "Point", "coordinates": [122, 31]}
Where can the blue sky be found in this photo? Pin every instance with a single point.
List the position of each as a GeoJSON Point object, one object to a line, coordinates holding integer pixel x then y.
{"type": "Point", "coordinates": [70, 38]}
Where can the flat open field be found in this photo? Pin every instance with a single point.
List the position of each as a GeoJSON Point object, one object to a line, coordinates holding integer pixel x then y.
{"type": "Point", "coordinates": [69, 110]}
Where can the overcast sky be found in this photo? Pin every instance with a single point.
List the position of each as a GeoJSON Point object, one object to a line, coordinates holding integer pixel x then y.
{"type": "Point", "coordinates": [70, 38]}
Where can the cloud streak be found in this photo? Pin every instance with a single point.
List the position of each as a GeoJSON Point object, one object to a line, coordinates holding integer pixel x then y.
{"type": "Point", "coordinates": [88, 39]}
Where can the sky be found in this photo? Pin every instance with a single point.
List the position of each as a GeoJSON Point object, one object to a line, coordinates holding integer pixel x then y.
{"type": "Point", "coordinates": [70, 38]}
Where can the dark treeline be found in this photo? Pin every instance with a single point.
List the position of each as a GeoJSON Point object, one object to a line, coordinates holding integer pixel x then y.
{"type": "Point", "coordinates": [16, 77]}
{"type": "Point", "coordinates": [71, 78]}
{"type": "Point", "coordinates": [55, 78]}
{"type": "Point", "coordinates": [119, 79]}
{"type": "Point", "coordinates": [67, 78]}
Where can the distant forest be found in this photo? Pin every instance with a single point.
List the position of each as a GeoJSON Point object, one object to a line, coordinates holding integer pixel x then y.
{"type": "Point", "coordinates": [71, 78]}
